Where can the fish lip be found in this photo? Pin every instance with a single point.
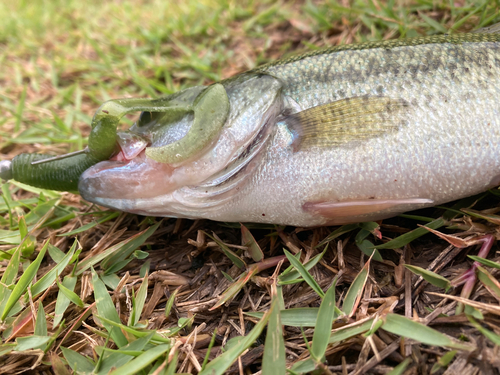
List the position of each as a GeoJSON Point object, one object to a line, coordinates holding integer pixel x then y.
{"type": "Point", "coordinates": [88, 184]}
{"type": "Point", "coordinates": [112, 182]}
{"type": "Point", "coordinates": [93, 186]}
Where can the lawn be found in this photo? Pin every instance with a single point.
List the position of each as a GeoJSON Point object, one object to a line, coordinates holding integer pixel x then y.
{"type": "Point", "coordinates": [88, 290]}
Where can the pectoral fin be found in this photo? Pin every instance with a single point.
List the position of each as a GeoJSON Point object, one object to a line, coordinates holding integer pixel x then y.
{"type": "Point", "coordinates": [346, 120]}
{"type": "Point", "coordinates": [363, 210]}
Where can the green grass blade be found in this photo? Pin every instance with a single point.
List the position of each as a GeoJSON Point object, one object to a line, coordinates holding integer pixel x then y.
{"type": "Point", "coordinates": [368, 249]}
{"type": "Point", "coordinates": [34, 190]}
{"type": "Point", "coordinates": [62, 302]}
{"type": "Point", "coordinates": [209, 349]}
{"type": "Point", "coordinates": [430, 277]}
{"type": "Point", "coordinates": [7, 198]}
{"type": "Point", "coordinates": [106, 309]}
{"type": "Point", "coordinates": [326, 315]}
{"type": "Point", "coordinates": [493, 337]}
{"type": "Point", "coordinates": [111, 280]}
{"type": "Point", "coordinates": [6, 348]}
{"type": "Point", "coordinates": [173, 365]}
{"type": "Point", "coordinates": [54, 336]}
{"type": "Point", "coordinates": [355, 291]}
{"type": "Point", "coordinates": [406, 238]}
{"type": "Point", "coordinates": [137, 333]}
{"type": "Point", "coordinates": [55, 253]}
{"type": "Point", "coordinates": [27, 243]}
{"type": "Point", "coordinates": [170, 302]}
{"type": "Point", "coordinates": [494, 219]}
{"type": "Point", "coordinates": [117, 359]}
{"type": "Point", "coordinates": [129, 247]}
{"type": "Point", "coordinates": [303, 272]}
{"type": "Point", "coordinates": [9, 275]}
{"type": "Point", "coordinates": [145, 268]}
{"type": "Point", "coordinates": [83, 228]}
{"type": "Point", "coordinates": [473, 312]}
{"type": "Point", "coordinates": [46, 280]}
{"type": "Point", "coordinates": [144, 360]}
{"type": "Point", "coordinates": [23, 229]}
{"type": "Point", "coordinates": [101, 356]}
{"type": "Point", "coordinates": [338, 232]}
{"type": "Point", "coordinates": [273, 359]}
{"type": "Point", "coordinates": [306, 366]}
{"type": "Point", "coordinates": [402, 326]}
{"type": "Point", "coordinates": [434, 24]}
{"type": "Point", "coordinates": [485, 262]}
{"type": "Point", "coordinates": [116, 251]}
{"type": "Point", "coordinates": [9, 237]}
{"type": "Point", "coordinates": [116, 267]}
{"type": "Point", "coordinates": [42, 212]}
{"type": "Point", "coordinates": [72, 296]}
{"type": "Point", "coordinates": [78, 363]}
{"type": "Point", "coordinates": [290, 274]}
{"type": "Point", "coordinates": [400, 369]}
{"type": "Point", "coordinates": [41, 322]}
{"type": "Point", "coordinates": [20, 109]}
{"type": "Point", "coordinates": [23, 282]}
{"type": "Point", "coordinates": [295, 317]}
{"type": "Point", "coordinates": [31, 342]}
{"type": "Point", "coordinates": [345, 333]}
{"type": "Point", "coordinates": [140, 299]}
{"type": "Point", "coordinates": [132, 353]}
{"type": "Point", "coordinates": [489, 281]}
{"type": "Point", "coordinates": [444, 361]}
{"type": "Point", "coordinates": [365, 245]}
{"type": "Point", "coordinates": [228, 277]}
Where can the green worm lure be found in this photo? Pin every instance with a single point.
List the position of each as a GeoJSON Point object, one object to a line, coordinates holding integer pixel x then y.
{"type": "Point", "coordinates": [210, 109]}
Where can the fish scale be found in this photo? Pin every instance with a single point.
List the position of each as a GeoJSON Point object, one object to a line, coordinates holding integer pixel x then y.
{"type": "Point", "coordinates": [446, 152]}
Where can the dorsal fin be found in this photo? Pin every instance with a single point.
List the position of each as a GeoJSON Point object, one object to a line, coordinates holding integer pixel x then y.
{"type": "Point", "coordinates": [346, 120]}
{"type": "Point", "coordinates": [493, 29]}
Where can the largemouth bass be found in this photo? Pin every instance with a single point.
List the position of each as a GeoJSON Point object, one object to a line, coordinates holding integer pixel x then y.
{"type": "Point", "coordinates": [346, 134]}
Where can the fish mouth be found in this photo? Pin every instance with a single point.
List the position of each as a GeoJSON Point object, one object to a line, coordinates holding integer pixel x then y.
{"type": "Point", "coordinates": [128, 176]}
{"type": "Point", "coordinates": [122, 180]}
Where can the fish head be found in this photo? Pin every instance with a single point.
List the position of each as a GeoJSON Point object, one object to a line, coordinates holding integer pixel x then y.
{"type": "Point", "coordinates": [189, 143]}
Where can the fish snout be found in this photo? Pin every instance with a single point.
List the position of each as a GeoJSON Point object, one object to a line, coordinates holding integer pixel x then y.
{"type": "Point", "coordinates": [132, 180]}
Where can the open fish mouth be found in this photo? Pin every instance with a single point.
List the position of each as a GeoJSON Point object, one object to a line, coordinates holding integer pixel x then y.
{"type": "Point", "coordinates": [125, 175]}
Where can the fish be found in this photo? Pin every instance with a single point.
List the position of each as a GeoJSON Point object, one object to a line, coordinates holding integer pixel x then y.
{"type": "Point", "coordinates": [349, 133]}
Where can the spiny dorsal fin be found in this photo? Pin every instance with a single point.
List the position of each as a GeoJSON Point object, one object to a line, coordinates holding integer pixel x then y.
{"type": "Point", "coordinates": [493, 29]}
{"type": "Point", "coordinates": [346, 120]}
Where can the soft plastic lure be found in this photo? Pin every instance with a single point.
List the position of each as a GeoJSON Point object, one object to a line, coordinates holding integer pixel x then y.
{"type": "Point", "coordinates": [350, 133]}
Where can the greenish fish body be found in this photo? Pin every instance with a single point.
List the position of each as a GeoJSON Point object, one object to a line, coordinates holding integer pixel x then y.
{"type": "Point", "coordinates": [351, 133]}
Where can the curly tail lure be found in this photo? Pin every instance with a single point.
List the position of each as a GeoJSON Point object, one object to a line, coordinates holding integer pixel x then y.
{"type": "Point", "coordinates": [63, 172]}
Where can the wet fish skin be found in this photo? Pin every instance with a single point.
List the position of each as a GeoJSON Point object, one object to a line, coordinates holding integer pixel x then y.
{"type": "Point", "coordinates": [443, 144]}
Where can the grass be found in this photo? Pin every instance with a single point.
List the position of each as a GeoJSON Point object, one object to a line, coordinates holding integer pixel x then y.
{"type": "Point", "coordinates": [84, 290]}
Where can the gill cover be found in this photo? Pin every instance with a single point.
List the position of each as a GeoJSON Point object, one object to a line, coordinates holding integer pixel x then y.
{"type": "Point", "coordinates": [209, 105]}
